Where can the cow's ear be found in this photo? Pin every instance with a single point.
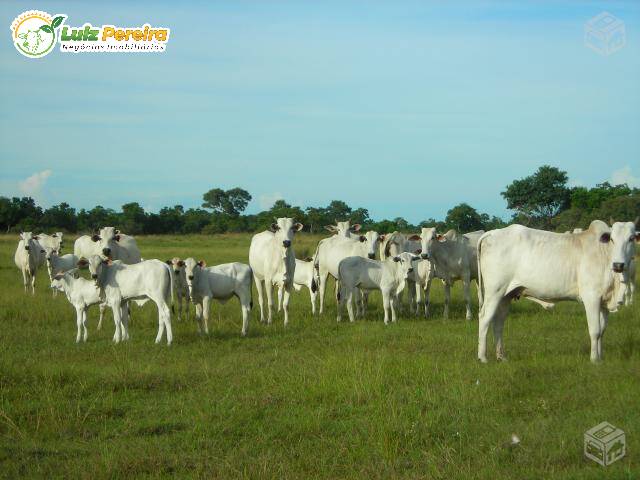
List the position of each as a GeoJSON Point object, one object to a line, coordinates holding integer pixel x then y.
{"type": "Point", "coordinates": [202, 264]}
{"type": "Point", "coordinates": [362, 238]}
{"type": "Point", "coordinates": [274, 227]}
{"type": "Point", "coordinates": [605, 237]}
{"type": "Point", "coordinates": [418, 251]}
{"type": "Point", "coordinates": [396, 259]}
{"type": "Point", "coordinates": [298, 226]}
{"type": "Point", "coordinates": [117, 237]}
{"type": "Point", "coordinates": [168, 262]}
{"type": "Point", "coordinates": [82, 263]}
{"type": "Point", "coordinates": [356, 227]}
{"type": "Point", "coordinates": [55, 235]}
{"type": "Point", "coordinates": [42, 251]}
{"type": "Point", "coordinates": [441, 238]}
{"type": "Point", "coordinates": [117, 232]}
{"type": "Point", "coordinates": [331, 228]}
{"type": "Point", "coordinates": [415, 238]}
{"type": "Point", "coordinates": [95, 238]}
{"type": "Point", "coordinates": [637, 236]}
{"type": "Point", "coordinates": [381, 238]}
{"type": "Point", "coordinates": [36, 237]}
{"type": "Point", "coordinates": [180, 263]}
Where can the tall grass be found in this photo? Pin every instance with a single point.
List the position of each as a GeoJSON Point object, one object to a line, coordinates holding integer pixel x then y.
{"type": "Point", "coordinates": [315, 400]}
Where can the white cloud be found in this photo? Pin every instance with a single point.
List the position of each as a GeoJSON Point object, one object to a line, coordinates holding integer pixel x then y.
{"type": "Point", "coordinates": [624, 175]}
{"type": "Point", "coordinates": [266, 201]}
{"type": "Point", "coordinates": [33, 185]}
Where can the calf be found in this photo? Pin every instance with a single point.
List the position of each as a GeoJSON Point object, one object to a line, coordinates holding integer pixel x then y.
{"type": "Point", "coordinates": [587, 267]}
{"type": "Point", "coordinates": [305, 276]}
{"type": "Point", "coordinates": [273, 262]}
{"type": "Point", "coordinates": [180, 283]}
{"type": "Point", "coordinates": [388, 276]}
{"type": "Point", "coordinates": [29, 255]}
{"type": "Point", "coordinates": [81, 293]}
{"type": "Point", "coordinates": [120, 283]}
{"type": "Point", "coordinates": [220, 282]}
{"type": "Point", "coordinates": [331, 251]}
{"type": "Point", "coordinates": [59, 264]}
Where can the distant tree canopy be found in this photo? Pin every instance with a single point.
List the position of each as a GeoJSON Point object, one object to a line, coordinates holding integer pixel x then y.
{"type": "Point", "coordinates": [541, 200]}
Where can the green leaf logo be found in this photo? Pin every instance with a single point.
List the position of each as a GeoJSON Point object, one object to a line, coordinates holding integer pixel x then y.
{"type": "Point", "coordinates": [46, 28]}
{"type": "Point", "coordinates": [57, 21]}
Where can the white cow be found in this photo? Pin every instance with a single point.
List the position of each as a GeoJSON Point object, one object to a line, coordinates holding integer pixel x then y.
{"type": "Point", "coordinates": [305, 276]}
{"type": "Point", "coordinates": [332, 250]}
{"type": "Point", "coordinates": [57, 263]}
{"type": "Point", "coordinates": [53, 241]}
{"type": "Point", "coordinates": [518, 261]}
{"type": "Point", "coordinates": [178, 271]}
{"type": "Point", "coordinates": [273, 262]}
{"type": "Point", "coordinates": [28, 257]}
{"type": "Point", "coordinates": [388, 276]}
{"type": "Point", "coordinates": [220, 282]}
{"type": "Point", "coordinates": [120, 283]}
{"type": "Point", "coordinates": [81, 293]}
{"type": "Point", "coordinates": [108, 242]}
{"type": "Point", "coordinates": [454, 258]}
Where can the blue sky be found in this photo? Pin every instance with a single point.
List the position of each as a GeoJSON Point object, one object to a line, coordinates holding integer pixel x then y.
{"type": "Point", "coordinates": [405, 108]}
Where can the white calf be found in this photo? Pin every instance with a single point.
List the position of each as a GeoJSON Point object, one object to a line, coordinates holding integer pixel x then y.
{"type": "Point", "coordinates": [180, 284]}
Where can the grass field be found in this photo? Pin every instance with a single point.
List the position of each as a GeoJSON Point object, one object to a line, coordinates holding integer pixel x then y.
{"type": "Point", "coordinates": [315, 400]}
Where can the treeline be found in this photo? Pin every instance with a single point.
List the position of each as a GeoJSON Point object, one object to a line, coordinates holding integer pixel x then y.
{"type": "Point", "coordinates": [542, 200]}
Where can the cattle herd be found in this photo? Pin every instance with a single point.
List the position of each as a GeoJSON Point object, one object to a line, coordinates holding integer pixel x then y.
{"type": "Point", "coordinates": [595, 267]}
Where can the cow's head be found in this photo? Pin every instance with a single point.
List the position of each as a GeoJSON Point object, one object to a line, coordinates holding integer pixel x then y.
{"type": "Point", "coordinates": [176, 265]}
{"type": "Point", "coordinates": [107, 238]}
{"type": "Point", "coordinates": [29, 240]}
{"type": "Point", "coordinates": [343, 229]}
{"type": "Point", "coordinates": [622, 238]}
{"type": "Point", "coordinates": [371, 239]}
{"type": "Point", "coordinates": [192, 270]}
{"type": "Point", "coordinates": [405, 264]}
{"type": "Point", "coordinates": [427, 238]}
{"type": "Point", "coordinates": [58, 236]}
{"type": "Point", "coordinates": [96, 265]}
{"type": "Point", "coordinates": [284, 230]}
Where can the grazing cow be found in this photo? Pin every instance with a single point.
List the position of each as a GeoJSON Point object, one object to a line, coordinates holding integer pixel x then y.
{"type": "Point", "coordinates": [332, 250]}
{"type": "Point", "coordinates": [177, 267]}
{"type": "Point", "coordinates": [305, 276]}
{"type": "Point", "coordinates": [120, 283]}
{"type": "Point", "coordinates": [273, 262]}
{"type": "Point", "coordinates": [454, 258]}
{"type": "Point", "coordinates": [220, 282]}
{"type": "Point", "coordinates": [343, 229]}
{"type": "Point", "coordinates": [109, 243]}
{"type": "Point", "coordinates": [388, 276]}
{"type": "Point", "coordinates": [28, 257]}
{"type": "Point", "coordinates": [81, 293]}
{"type": "Point", "coordinates": [53, 241]}
{"type": "Point", "coordinates": [518, 261]}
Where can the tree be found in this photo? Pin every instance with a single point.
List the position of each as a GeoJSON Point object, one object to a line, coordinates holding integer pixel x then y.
{"type": "Point", "coordinates": [230, 202]}
{"type": "Point", "coordinates": [60, 216]}
{"type": "Point", "coordinates": [338, 210]}
{"type": "Point", "coordinates": [134, 219]}
{"type": "Point", "coordinates": [539, 197]}
{"type": "Point", "coordinates": [464, 218]}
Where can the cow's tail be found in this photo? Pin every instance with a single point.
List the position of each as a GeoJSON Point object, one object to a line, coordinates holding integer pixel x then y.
{"type": "Point", "coordinates": [480, 283]}
{"type": "Point", "coordinates": [339, 283]}
{"type": "Point", "coordinates": [251, 280]}
{"type": "Point", "coordinates": [316, 265]}
{"type": "Point", "coordinates": [171, 287]}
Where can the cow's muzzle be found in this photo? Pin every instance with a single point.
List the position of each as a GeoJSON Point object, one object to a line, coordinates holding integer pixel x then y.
{"type": "Point", "coordinates": [190, 277]}
{"type": "Point", "coordinates": [106, 252]}
{"type": "Point", "coordinates": [286, 243]}
{"type": "Point", "coordinates": [176, 272]}
{"type": "Point", "coordinates": [26, 248]}
{"type": "Point", "coordinates": [94, 276]}
{"type": "Point", "coordinates": [372, 256]}
{"type": "Point", "coordinates": [618, 267]}
{"type": "Point", "coordinates": [424, 256]}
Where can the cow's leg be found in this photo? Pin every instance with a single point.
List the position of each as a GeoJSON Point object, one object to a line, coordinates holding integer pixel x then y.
{"type": "Point", "coordinates": [357, 298]}
{"type": "Point", "coordinates": [447, 299]}
{"type": "Point", "coordinates": [245, 305]}
{"type": "Point", "coordinates": [78, 323]}
{"type": "Point", "coordinates": [84, 324]}
{"type": "Point", "coordinates": [604, 318]}
{"type": "Point", "coordinates": [268, 286]}
{"type": "Point", "coordinates": [466, 285]}
{"type": "Point", "coordinates": [280, 293]}
{"type": "Point", "coordinates": [418, 293]}
{"type": "Point", "coordinates": [386, 303]}
{"type": "Point", "coordinates": [199, 317]}
{"type": "Point", "coordinates": [592, 308]}
{"type": "Point", "coordinates": [498, 326]}
{"type": "Point", "coordinates": [365, 302]}
{"type": "Point", "coordinates": [394, 302]}
{"type": "Point", "coordinates": [258, 283]}
{"type": "Point", "coordinates": [487, 313]}
{"type": "Point", "coordinates": [117, 320]}
{"type": "Point", "coordinates": [179, 302]}
{"type": "Point", "coordinates": [313, 296]}
{"type": "Point", "coordinates": [285, 302]}
{"type": "Point", "coordinates": [102, 307]}
{"type": "Point", "coordinates": [25, 279]}
{"type": "Point", "coordinates": [349, 299]}
{"type": "Point", "coordinates": [125, 321]}
{"type": "Point", "coordinates": [166, 318]}
{"type": "Point", "coordinates": [206, 307]}
{"type": "Point", "coordinates": [322, 285]}
{"type": "Point", "coordinates": [33, 281]}
{"type": "Point", "coordinates": [427, 292]}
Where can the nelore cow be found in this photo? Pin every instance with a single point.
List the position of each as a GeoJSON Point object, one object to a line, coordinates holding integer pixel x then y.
{"type": "Point", "coordinates": [273, 262]}
{"type": "Point", "coordinates": [179, 273]}
{"type": "Point", "coordinates": [220, 282]}
{"type": "Point", "coordinates": [454, 258]}
{"type": "Point", "coordinates": [53, 241]}
{"type": "Point", "coordinates": [305, 276]}
{"type": "Point", "coordinates": [109, 243]}
{"type": "Point", "coordinates": [388, 276]}
{"type": "Point", "coordinates": [28, 257]}
{"type": "Point", "coordinates": [120, 283]}
{"type": "Point", "coordinates": [332, 250]}
{"type": "Point", "coordinates": [591, 267]}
